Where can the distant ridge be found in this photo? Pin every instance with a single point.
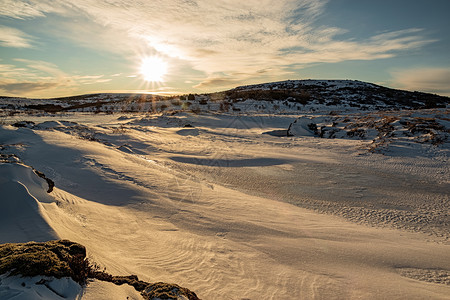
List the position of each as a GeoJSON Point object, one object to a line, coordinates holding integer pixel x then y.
{"type": "Point", "coordinates": [308, 82]}
{"type": "Point", "coordinates": [294, 95]}
{"type": "Point", "coordinates": [284, 84]}
{"type": "Point", "coordinates": [336, 92]}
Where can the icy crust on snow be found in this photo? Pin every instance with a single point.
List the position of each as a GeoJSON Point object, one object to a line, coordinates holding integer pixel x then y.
{"type": "Point", "coordinates": [38, 288]}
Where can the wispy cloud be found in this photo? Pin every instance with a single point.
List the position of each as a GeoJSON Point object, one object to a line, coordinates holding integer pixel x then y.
{"type": "Point", "coordinates": [230, 36]}
{"type": "Point", "coordinates": [17, 81]}
{"type": "Point", "coordinates": [104, 80]}
{"type": "Point", "coordinates": [217, 81]}
{"type": "Point", "coordinates": [27, 9]}
{"type": "Point", "coordinates": [436, 80]}
{"type": "Point", "coordinates": [42, 78]}
{"type": "Point", "coordinates": [219, 38]}
{"type": "Point", "coordinates": [12, 37]}
{"type": "Point", "coordinates": [24, 88]}
{"type": "Point", "coordinates": [42, 66]}
{"type": "Point", "coordinates": [11, 71]}
{"type": "Point", "coordinates": [88, 79]}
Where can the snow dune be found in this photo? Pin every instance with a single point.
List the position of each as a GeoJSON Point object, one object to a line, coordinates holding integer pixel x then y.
{"type": "Point", "coordinates": [220, 208]}
{"type": "Point", "coordinates": [22, 217]}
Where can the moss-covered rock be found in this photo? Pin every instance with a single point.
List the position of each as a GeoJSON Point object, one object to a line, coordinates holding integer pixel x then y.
{"type": "Point", "coordinates": [54, 258]}
{"type": "Point", "coordinates": [162, 290]}
{"type": "Point", "coordinates": [64, 258]}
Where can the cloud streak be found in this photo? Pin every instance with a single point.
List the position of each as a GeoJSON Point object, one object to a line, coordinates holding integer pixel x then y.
{"type": "Point", "coordinates": [42, 66]}
{"type": "Point", "coordinates": [14, 38]}
{"type": "Point", "coordinates": [26, 87]}
{"type": "Point", "coordinates": [42, 78]}
{"type": "Point", "coordinates": [27, 9]}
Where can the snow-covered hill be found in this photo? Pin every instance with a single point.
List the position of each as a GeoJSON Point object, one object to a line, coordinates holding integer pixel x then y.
{"type": "Point", "coordinates": [339, 93]}
{"type": "Point", "coordinates": [290, 96]}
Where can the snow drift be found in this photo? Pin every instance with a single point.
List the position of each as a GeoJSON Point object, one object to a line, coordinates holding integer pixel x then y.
{"type": "Point", "coordinates": [21, 215]}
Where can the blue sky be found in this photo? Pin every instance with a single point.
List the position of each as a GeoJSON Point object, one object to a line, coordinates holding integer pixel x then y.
{"type": "Point", "coordinates": [56, 48]}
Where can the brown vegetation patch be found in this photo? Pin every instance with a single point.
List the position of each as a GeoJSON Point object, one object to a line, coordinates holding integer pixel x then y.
{"type": "Point", "coordinates": [428, 275]}
{"type": "Point", "coordinates": [64, 258]}
{"type": "Point", "coordinates": [161, 290]}
{"type": "Point", "coordinates": [55, 258]}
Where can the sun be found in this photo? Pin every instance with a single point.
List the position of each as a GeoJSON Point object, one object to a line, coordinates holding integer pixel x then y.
{"type": "Point", "coordinates": [153, 68]}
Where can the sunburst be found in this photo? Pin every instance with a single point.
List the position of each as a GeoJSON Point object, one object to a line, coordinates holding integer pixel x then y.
{"type": "Point", "coordinates": [153, 68]}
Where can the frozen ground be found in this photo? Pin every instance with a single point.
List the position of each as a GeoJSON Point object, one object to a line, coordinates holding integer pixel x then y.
{"type": "Point", "coordinates": [230, 207]}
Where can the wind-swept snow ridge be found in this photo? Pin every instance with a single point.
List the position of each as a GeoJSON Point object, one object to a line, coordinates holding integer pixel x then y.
{"type": "Point", "coordinates": [21, 215]}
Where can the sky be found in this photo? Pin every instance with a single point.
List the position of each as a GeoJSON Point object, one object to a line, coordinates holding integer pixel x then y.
{"type": "Point", "coordinates": [61, 48]}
